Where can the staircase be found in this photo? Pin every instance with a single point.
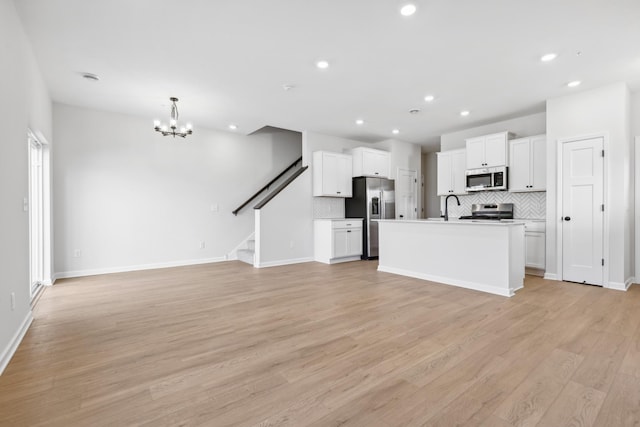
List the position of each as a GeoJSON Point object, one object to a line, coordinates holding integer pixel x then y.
{"type": "Point", "coordinates": [263, 196]}
{"type": "Point", "coordinates": [249, 253]}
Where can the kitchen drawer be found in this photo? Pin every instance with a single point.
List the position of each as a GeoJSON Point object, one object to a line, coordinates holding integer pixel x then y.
{"type": "Point", "coordinates": [534, 227]}
{"type": "Point", "coordinates": [347, 223]}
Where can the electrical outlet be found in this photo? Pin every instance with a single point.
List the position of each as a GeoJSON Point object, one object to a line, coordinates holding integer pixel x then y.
{"type": "Point", "coordinates": [25, 204]}
{"type": "Point", "coordinates": [202, 244]}
{"type": "Point", "coordinates": [77, 253]}
{"type": "Point", "coordinates": [13, 301]}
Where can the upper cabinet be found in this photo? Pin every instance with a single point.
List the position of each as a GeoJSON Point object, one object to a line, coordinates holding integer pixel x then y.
{"type": "Point", "coordinates": [451, 172]}
{"type": "Point", "coordinates": [488, 151]}
{"type": "Point", "coordinates": [371, 162]}
{"type": "Point", "coordinates": [331, 174]}
{"type": "Point", "coordinates": [528, 164]}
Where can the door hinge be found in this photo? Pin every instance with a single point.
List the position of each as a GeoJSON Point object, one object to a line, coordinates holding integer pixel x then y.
{"type": "Point", "coordinates": [415, 180]}
{"type": "Point", "coordinates": [603, 262]}
{"type": "Point", "coordinates": [602, 153]}
{"type": "Point", "coordinates": [602, 206]}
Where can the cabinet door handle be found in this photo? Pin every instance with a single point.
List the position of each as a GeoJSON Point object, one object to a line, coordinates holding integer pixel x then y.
{"type": "Point", "coordinates": [337, 192]}
{"type": "Point", "coordinates": [376, 173]}
{"type": "Point", "coordinates": [567, 218]}
{"type": "Point", "coordinates": [348, 231]}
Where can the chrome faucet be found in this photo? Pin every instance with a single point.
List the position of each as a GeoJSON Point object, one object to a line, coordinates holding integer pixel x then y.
{"type": "Point", "coordinates": [446, 206]}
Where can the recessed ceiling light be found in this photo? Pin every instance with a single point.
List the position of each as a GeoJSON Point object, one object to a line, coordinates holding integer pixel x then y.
{"type": "Point", "coordinates": [322, 64]}
{"type": "Point", "coordinates": [359, 122]}
{"type": "Point", "coordinates": [429, 98]}
{"type": "Point", "coordinates": [465, 113]}
{"type": "Point", "coordinates": [408, 9]}
{"type": "Point", "coordinates": [91, 77]}
{"type": "Point", "coordinates": [548, 57]}
{"type": "Point", "coordinates": [233, 127]}
{"type": "Point", "coordinates": [574, 83]}
{"type": "Point", "coordinates": [395, 131]}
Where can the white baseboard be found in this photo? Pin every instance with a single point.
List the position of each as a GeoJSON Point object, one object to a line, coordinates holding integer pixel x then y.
{"type": "Point", "coordinates": [11, 348]}
{"type": "Point", "coordinates": [461, 284]}
{"type": "Point", "coordinates": [551, 276]}
{"type": "Point", "coordinates": [94, 272]}
{"type": "Point", "coordinates": [284, 262]}
{"type": "Point", "coordinates": [619, 286]}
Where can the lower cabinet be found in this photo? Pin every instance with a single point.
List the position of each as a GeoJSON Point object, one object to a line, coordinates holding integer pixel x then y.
{"type": "Point", "coordinates": [534, 237]}
{"type": "Point", "coordinates": [337, 240]}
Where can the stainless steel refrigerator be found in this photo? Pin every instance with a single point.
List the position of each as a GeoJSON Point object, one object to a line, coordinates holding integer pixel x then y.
{"type": "Point", "coordinates": [373, 198]}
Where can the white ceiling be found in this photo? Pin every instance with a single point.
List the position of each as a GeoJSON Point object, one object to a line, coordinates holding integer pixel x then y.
{"type": "Point", "coordinates": [228, 60]}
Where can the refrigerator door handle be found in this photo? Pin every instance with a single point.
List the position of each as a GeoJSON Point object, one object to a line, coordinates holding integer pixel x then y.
{"type": "Point", "coordinates": [382, 203]}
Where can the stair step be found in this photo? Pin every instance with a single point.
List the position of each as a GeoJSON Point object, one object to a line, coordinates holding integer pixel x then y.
{"type": "Point", "coordinates": [246, 255]}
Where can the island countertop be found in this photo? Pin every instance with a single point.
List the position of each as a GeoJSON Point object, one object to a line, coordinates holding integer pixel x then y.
{"type": "Point", "coordinates": [484, 255]}
{"type": "Point", "coordinates": [501, 223]}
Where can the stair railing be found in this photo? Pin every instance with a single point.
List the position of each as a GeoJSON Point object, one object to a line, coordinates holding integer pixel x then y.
{"type": "Point", "coordinates": [266, 187]}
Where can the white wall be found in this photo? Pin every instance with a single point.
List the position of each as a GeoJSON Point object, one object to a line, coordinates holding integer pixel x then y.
{"type": "Point", "coordinates": [602, 110]}
{"type": "Point", "coordinates": [431, 198]}
{"type": "Point", "coordinates": [25, 105]}
{"type": "Point", "coordinates": [284, 226]}
{"type": "Point", "coordinates": [129, 198]}
{"type": "Point", "coordinates": [534, 124]}
{"type": "Point", "coordinates": [635, 113]}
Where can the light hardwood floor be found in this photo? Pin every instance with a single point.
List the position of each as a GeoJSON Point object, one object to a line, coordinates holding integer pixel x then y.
{"type": "Point", "coordinates": [310, 344]}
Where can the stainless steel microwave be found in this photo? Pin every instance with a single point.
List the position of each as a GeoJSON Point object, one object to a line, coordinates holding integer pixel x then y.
{"type": "Point", "coordinates": [487, 179]}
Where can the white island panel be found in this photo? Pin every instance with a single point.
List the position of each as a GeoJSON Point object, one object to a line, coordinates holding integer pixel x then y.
{"type": "Point", "coordinates": [487, 257]}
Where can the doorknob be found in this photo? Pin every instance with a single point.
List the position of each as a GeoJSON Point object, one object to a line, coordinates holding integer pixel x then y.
{"type": "Point", "coordinates": [567, 218]}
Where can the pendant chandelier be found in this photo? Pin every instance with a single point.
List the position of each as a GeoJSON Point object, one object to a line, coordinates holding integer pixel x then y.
{"type": "Point", "coordinates": [172, 129]}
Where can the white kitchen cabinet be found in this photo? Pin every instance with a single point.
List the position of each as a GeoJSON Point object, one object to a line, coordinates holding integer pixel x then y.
{"type": "Point", "coordinates": [488, 150]}
{"type": "Point", "coordinates": [528, 164]}
{"type": "Point", "coordinates": [451, 172]}
{"type": "Point", "coordinates": [337, 240]}
{"type": "Point", "coordinates": [534, 237]}
{"type": "Point", "coordinates": [371, 162]}
{"type": "Point", "coordinates": [332, 174]}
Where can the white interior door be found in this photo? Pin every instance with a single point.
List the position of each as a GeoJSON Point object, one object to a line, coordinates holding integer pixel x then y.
{"type": "Point", "coordinates": [582, 211]}
{"type": "Point", "coordinates": [36, 216]}
{"type": "Point", "coordinates": [637, 207]}
{"type": "Point", "coordinates": [407, 194]}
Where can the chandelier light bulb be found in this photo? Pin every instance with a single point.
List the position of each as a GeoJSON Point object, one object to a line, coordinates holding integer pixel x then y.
{"type": "Point", "coordinates": [189, 126]}
{"type": "Point", "coordinates": [156, 123]}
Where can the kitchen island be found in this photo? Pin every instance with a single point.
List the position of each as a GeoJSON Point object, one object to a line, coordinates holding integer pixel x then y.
{"type": "Point", "coordinates": [487, 256]}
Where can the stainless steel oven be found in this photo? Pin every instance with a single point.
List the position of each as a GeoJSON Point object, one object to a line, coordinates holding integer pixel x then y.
{"type": "Point", "coordinates": [487, 179]}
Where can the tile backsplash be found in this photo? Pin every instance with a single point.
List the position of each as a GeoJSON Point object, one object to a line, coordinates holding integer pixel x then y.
{"type": "Point", "coordinates": [526, 205]}
{"type": "Point", "coordinates": [328, 207]}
